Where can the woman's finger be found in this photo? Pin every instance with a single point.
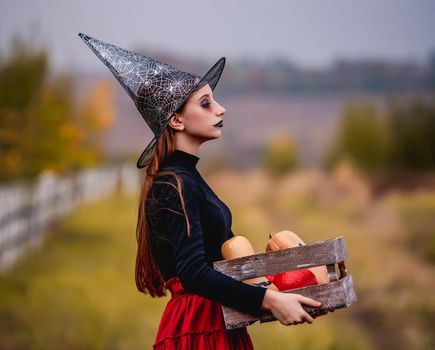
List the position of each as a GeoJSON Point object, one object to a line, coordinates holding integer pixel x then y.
{"type": "Point", "coordinates": [309, 301]}
{"type": "Point", "coordinates": [307, 318]}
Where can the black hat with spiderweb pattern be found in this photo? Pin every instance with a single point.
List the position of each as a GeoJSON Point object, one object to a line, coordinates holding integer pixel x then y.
{"type": "Point", "coordinates": [157, 88]}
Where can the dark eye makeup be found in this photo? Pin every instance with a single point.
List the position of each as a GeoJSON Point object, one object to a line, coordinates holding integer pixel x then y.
{"type": "Point", "coordinates": [205, 104]}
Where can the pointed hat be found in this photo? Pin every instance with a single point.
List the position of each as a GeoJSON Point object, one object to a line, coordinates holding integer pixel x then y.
{"type": "Point", "coordinates": [157, 89]}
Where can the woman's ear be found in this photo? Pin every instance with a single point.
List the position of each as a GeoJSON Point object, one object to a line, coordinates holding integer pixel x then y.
{"type": "Point", "coordinates": [176, 122]}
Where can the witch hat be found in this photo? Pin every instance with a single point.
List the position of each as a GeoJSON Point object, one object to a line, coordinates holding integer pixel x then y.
{"type": "Point", "coordinates": [157, 89]}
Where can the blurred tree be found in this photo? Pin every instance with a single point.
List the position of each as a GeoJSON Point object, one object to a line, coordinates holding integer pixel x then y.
{"type": "Point", "coordinates": [431, 73]}
{"type": "Point", "coordinates": [41, 126]}
{"type": "Point", "coordinates": [361, 138]}
{"type": "Point", "coordinates": [85, 130]}
{"type": "Point", "coordinates": [22, 75]}
{"type": "Point", "coordinates": [280, 155]}
{"type": "Point", "coordinates": [412, 135]}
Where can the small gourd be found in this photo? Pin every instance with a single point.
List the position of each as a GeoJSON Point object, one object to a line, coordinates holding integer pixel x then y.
{"type": "Point", "coordinates": [239, 246]}
{"type": "Point", "coordinates": [283, 240]}
{"type": "Point", "coordinates": [314, 275]}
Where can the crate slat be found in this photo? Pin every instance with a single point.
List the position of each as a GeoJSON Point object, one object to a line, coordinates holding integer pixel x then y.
{"type": "Point", "coordinates": [338, 293]}
{"type": "Point", "coordinates": [314, 254]}
{"type": "Point", "coordinates": [333, 295]}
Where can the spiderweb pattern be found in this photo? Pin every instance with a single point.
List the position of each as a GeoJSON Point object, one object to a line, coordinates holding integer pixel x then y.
{"type": "Point", "coordinates": [157, 88]}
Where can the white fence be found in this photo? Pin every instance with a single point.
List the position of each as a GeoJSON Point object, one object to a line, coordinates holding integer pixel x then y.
{"type": "Point", "coordinates": [26, 209]}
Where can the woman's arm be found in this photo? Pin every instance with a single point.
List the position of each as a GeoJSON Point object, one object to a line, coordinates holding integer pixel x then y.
{"type": "Point", "coordinates": [192, 267]}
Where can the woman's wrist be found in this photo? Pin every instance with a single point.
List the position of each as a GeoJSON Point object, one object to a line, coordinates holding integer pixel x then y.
{"type": "Point", "coordinates": [268, 299]}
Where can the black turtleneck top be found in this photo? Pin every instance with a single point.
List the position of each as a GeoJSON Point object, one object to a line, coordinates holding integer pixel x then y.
{"type": "Point", "coordinates": [191, 257]}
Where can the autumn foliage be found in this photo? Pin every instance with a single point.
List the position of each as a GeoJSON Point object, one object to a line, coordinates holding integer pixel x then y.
{"type": "Point", "coordinates": [43, 125]}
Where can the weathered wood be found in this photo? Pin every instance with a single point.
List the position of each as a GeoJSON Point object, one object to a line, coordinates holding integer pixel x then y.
{"type": "Point", "coordinates": [333, 295]}
{"type": "Point", "coordinates": [336, 294]}
{"type": "Point", "coordinates": [332, 274]}
{"type": "Point", "coordinates": [342, 269]}
{"type": "Point", "coordinates": [314, 254]}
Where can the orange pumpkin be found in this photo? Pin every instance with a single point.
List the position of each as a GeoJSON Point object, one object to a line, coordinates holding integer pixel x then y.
{"type": "Point", "coordinates": [288, 239]}
{"type": "Point", "coordinates": [239, 246]}
{"type": "Point", "coordinates": [283, 240]}
{"type": "Point", "coordinates": [236, 247]}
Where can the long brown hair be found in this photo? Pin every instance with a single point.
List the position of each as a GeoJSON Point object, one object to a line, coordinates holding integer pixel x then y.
{"type": "Point", "coordinates": [149, 279]}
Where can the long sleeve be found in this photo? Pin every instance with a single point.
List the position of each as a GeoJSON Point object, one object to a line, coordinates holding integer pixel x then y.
{"type": "Point", "coordinates": [230, 234]}
{"type": "Point", "coordinates": [191, 265]}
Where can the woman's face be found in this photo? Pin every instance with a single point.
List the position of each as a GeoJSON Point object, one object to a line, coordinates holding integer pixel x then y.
{"type": "Point", "coordinates": [201, 118]}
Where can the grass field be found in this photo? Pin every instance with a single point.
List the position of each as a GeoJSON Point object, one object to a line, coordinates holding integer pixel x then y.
{"type": "Point", "coordinates": [78, 291]}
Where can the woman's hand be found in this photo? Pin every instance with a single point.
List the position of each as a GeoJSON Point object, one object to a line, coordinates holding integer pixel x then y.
{"type": "Point", "coordinates": [286, 307]}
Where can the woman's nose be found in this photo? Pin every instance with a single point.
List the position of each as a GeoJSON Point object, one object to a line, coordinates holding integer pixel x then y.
{"type": "Point", "coordinates": [221, 110]}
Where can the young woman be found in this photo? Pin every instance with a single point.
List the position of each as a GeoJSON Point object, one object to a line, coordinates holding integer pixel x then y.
{"type": "Point", "coordinates": [182, 226]}
{"type": "Point", "coordinates": [182, 223]}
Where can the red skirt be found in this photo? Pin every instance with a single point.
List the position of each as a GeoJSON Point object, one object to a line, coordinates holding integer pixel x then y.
{"type": "Point", "coordinates": [194, 322]}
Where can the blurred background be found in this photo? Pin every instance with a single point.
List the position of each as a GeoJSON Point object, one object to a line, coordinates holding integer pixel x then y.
{"type": "Point", "coordinates": [329, 131]}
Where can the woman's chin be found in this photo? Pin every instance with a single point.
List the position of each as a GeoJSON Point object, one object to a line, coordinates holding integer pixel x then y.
{"type": "Point", "coordinates": [217, 133]}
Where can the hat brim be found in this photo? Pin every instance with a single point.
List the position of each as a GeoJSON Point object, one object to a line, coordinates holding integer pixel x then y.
{"type": "Point", "coordinates": [211, 78]}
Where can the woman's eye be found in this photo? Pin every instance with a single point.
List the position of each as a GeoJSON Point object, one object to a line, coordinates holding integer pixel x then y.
{"type": "Point", "coordinates": [205, 104]}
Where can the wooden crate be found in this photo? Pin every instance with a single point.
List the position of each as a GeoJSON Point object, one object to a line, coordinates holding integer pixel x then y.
{"type": "Point", "coordinates": [337, 293]}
